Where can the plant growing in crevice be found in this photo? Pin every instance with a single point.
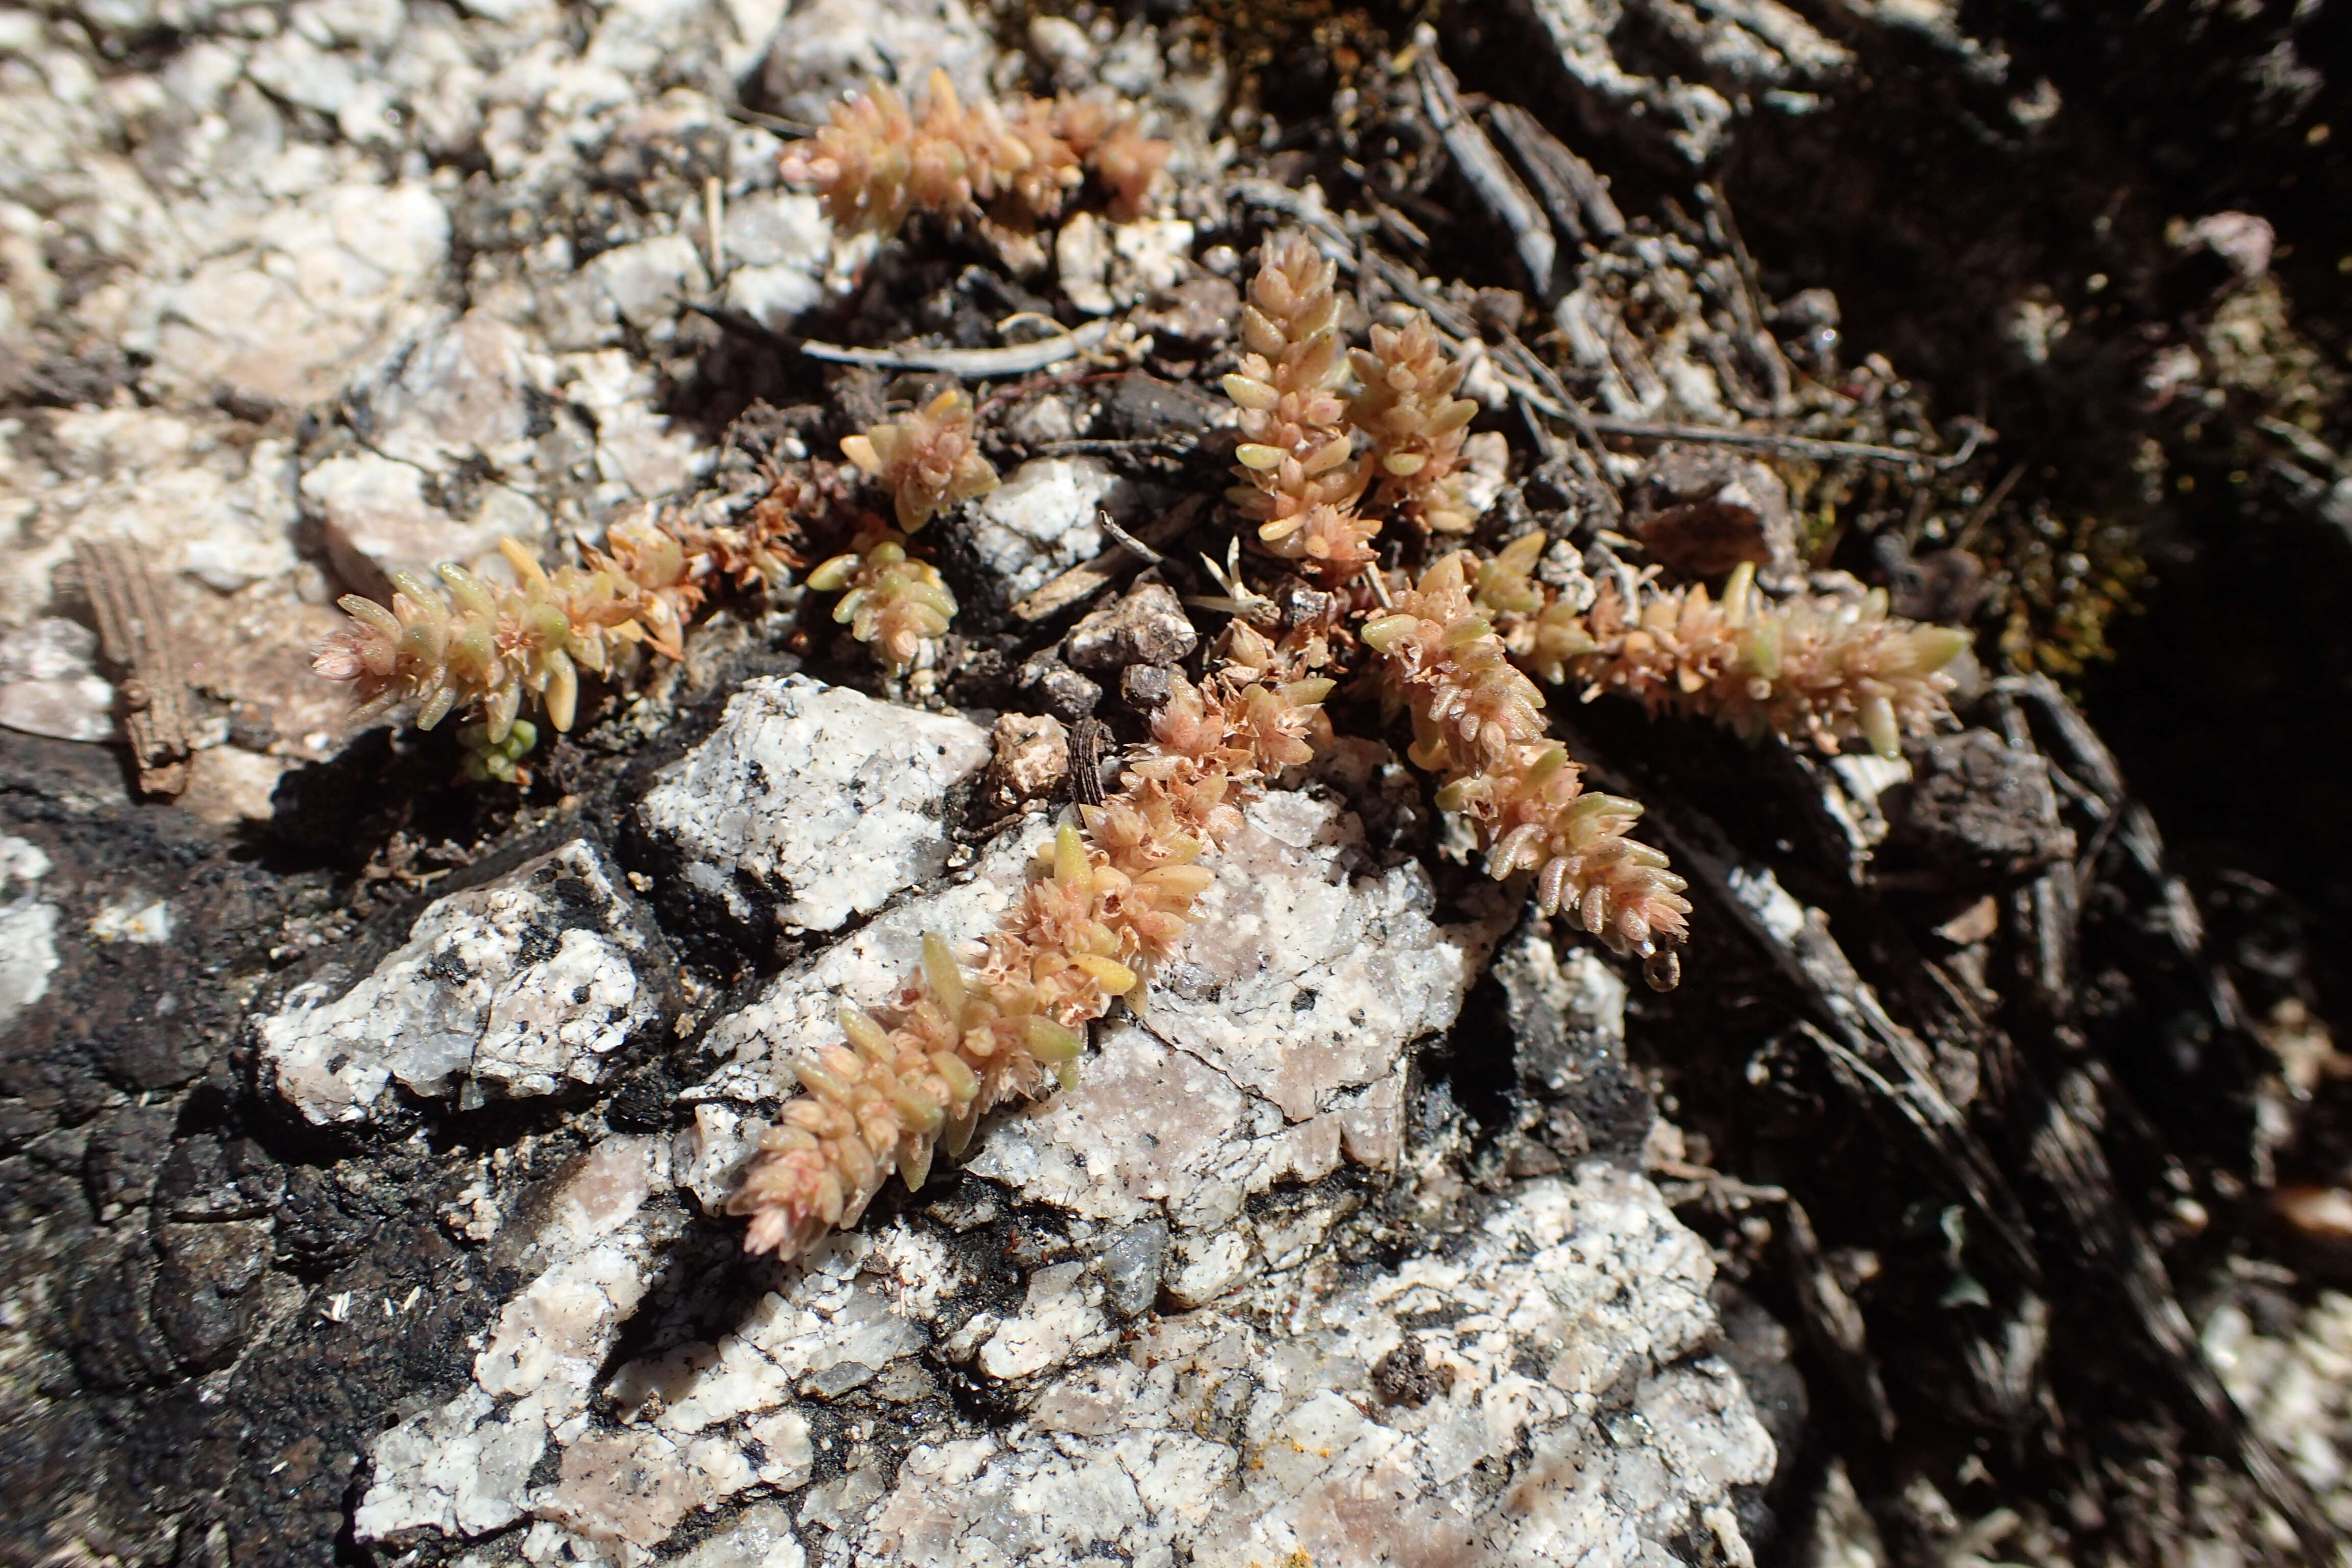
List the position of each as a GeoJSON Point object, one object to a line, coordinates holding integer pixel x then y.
{"type": "Point", "coordinates": [1459, 647]}
{"type": "Point", "coordinates": [888, 598]}
{"type": "Point", "coordinates": [1116, 892]}
{"type": "Point", "coordinates": [1110, 901]}
{"type": "Point", "coordinates": [929, 461]}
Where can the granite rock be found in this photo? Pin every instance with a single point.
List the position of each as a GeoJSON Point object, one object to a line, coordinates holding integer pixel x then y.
{"type": "Point", "coordinates": [1570, 1407]}
{"type": "Point", "coordinates": [465, 1468]}
{"type": "Point", "coordinates": [1041, 520]}
{"type": "Point", "coordinates": [812, 803]}
{"type": "Point", "coordinates": [1572, 1411]}
{"type": "Point", "coordinates": [518, 987]}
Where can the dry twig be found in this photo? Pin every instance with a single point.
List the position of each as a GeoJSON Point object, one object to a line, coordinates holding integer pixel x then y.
{"type": "Point", "coordinates": [138, 641]}
{"type": "Point", "coordinates": [1483, 166]}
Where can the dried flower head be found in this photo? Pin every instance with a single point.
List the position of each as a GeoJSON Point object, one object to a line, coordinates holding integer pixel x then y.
{"type": "Point", "coordinates": [891, 600]}
{"type": "Point", "coordinates": [930, 459]}
{"type": "Point", "coordinates": [966, 1034]}
{"type": "Point", "coordinates": [1478, 720]}
{"type": "Point", "coordinates": [1297, 451]}
{"type": "Point", "coordinates": [1408, 408]}
{"type": "Point", "coordinates": [879, 160]}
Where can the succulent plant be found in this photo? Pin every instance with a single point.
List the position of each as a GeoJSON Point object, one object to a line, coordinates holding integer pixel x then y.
{"type": "Point", "coordinates": [881, 159]}
{"type": "Point", "coordinates": [888, 598]}
{"type": "Point", "coordinates": [929, 460]}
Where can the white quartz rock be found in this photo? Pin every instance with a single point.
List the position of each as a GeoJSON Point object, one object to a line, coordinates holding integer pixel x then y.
{"type": "Point", "coordinates": [186, 492]}
{"type": "Point", "coordinates": [513, 988]}
{"type": "Point", "coordinates": [814, 802]}
{"type": "Point", "coordinates": [1041, 520]}
{"type": "Point", "coordinates": [638, 455]}
{"type": "Point", "coordinates": [639, 286]}
{"type": "Point", "coordinates": [47, 686]}
{"type": "Point", "coordinates": [1567, 1411]}
{"type": "Point", "coordinates": [1061, 1321]}
{"type": "Point", "coordinates": [1306, 974]}
{"type": "Point", "coordinates": [1270, 1047]}
{"type": "Point", "coordinates": [761, 1537]}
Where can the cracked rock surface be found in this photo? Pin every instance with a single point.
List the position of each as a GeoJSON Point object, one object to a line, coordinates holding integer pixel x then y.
{"type": "Point", "coordinates": [518, 987]}
{"type": "Point", "coordinates": [1152, 1272]}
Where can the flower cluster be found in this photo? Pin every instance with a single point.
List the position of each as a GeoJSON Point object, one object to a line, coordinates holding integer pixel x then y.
{"type": "Point", "coordinates": [1810, 667]}
{"type": "Point", "coordinates": [1478, 720]}
{"type": "Point", "coordinates": [1408, 408]}
{"type": "Point", "coordinates": [880, 160]}
{"type": "Point", "coordinates": [1297, 449]}
{"type": "Point", "coordinates": [891, 600]}
{"type": "Point", "coordinates": [481, 648]}
{"type": "Point", "coordinates": [1105, 905]}
{"type": "Point", "coordinates": [929, 460]}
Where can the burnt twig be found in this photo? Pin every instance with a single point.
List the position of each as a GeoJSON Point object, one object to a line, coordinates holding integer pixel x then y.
{"type": "Point", "coordinates": [1576, 195]}
{"type": "Point", "coordinates": [1483, 166]}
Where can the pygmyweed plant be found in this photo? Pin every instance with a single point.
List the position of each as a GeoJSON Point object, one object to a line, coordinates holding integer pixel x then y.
{"type": "Point", "coordinates": [880, 160]}
{"type": "Point", "coordinates": [485, 648]}
{"type": "Point", "coordinates": [1323, 466]}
